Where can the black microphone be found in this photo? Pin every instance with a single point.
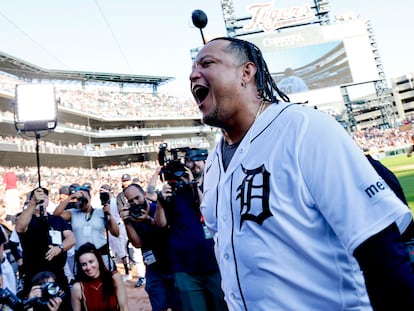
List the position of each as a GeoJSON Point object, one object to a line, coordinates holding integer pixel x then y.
{"type": "Point", "coordinates": [199, 19]}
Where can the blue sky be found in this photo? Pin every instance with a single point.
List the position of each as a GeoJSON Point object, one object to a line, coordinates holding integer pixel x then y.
{"type": "Point", "coordinates": [155, 37]}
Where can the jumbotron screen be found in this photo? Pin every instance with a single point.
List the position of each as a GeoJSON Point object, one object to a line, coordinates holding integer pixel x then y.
{"type": "Point", "coordinates": [314, 58]}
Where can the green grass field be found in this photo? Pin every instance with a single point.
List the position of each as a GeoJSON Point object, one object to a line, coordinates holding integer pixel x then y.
{"type": "Point", "coordinates": [403, 168]}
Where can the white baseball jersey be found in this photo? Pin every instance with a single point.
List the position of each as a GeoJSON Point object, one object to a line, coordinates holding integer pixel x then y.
{"type": "Point", "coordinates": [296, 200]}
{"type": "Point", "coordinates": [292, 84]}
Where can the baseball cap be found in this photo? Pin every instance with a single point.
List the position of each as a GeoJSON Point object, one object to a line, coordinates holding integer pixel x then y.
{"type": "Point", "coordinates": [64, 190]}
{"type": "Point", "coordinates": [72, 188]}
{"type": "Point", "coordinates": [87, 185]}
{"type": "Point", "coordinates": [126, 177]}
{"type": "Point", "coordinates": [106, 187]}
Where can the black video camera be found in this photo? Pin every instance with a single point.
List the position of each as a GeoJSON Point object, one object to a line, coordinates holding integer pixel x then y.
{"type": "Point", "coordinates": [174, 168]}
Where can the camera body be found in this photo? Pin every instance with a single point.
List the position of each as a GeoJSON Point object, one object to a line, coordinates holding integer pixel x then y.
{"type": "Point", "coordinates": [135, 210]}
{"type": "Point", "coordinates": [49, 290]}
{"type": "Point", "coordinates": [104, 197]}
{"type": "Point", "coordinates": [81, 202]}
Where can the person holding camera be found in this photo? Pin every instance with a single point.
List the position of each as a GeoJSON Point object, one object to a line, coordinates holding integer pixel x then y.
{"type": "Point", "coordinates": [89, 224]}
{"type": "Point", "coordinates": [153, 241]}
{"type": "Point", "coordinates": [191, 253]}
{"type": "Point", "coordinates": [45, 294]}
{"type": "Point", "coordinates": [118, 245]}
{"type": "Point", "coordinates": [135, 253]}
{"type": "Point", "coordinates": [44, 239]}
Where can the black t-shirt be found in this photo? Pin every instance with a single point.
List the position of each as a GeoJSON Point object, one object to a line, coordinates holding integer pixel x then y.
{"type": "Point", "coordinates": [3, 238]}
{"type": "Point", "coordinates": [155, 242]}
{"type": "Point", "coordinates": [35, 243]}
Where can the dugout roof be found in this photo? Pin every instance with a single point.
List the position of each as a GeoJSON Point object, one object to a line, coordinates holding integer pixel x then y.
{"type": "Point", "coordinates": [27, 71]}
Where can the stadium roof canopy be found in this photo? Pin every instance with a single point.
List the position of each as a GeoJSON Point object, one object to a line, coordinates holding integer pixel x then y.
{"type": "Point", "coordinates": [27, 71]}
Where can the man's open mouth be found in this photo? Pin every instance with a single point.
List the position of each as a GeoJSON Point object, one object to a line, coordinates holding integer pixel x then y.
{"type": "Point", "coordinates": [200, 93]}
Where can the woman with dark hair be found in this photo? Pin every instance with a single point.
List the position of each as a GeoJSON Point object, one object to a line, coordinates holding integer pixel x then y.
{"type": "Point", "coordinates": [96, 288]}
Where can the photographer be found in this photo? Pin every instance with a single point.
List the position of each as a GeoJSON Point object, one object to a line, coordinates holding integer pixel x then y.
{"type": "Point", "coordinates": [134, 252]}
{"type": "Point", "coordinates": [45, 295]}
{"type": "Point", "coordinates": [153, 242]}
{"type": "Point", "coordinates": [191, 253]}
{"type": "Point", "coordinates": [89, 224]}
{"type": "Point", "coordinates": [116, 244]}
{"type": "Point", "coordinates": [44, 239]}
{"type": "Point", "coordinates": [45, 292]}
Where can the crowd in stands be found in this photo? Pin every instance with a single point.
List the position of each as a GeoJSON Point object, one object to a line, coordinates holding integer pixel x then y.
{"type": "Point", "coordinates": [378, 139]}
{"type": "Point", "coordinates": [29, 144]}
{"type": "Point", "coordinates": [116, 104]}
{"type": "Point", "coordinates": [54, 178]}
{"type": "Point", "coordinates": [112, 102]}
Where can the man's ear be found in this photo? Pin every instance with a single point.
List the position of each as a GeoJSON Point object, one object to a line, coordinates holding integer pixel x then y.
{"type": "Point", "coordinates": [249, 71]}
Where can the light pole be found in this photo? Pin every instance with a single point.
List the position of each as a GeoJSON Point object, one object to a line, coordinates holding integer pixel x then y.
{"type": "Point", "coordinates": [35, 112]}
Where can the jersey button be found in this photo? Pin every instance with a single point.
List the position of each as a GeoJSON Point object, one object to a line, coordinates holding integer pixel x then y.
{"type": "Point", "coordinates": [226, 256]}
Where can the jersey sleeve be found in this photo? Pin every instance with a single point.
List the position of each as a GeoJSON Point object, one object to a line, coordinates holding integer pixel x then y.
{"type": "Point", "coordinates": [350, 195]}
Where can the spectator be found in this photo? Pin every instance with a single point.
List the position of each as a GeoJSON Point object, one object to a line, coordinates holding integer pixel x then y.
{"type": "Point", "coordinates": [96, 288]}
{"type": "Point", "coordinates": [44, 239]}
{"type": "Point", "coordinates": [7, 276]}
{"type": "Point", "coordinates": [89, 224]}
{"type": "Point", "coordinates": [118, 245]}
{"type": "Point", "coordinates": [191, 253]}
{"type": "Point", "coordinates": [12, 201]}
{"type": "Point", "coordinates": [42, 303]}
{"type": "Point", "coordinates": [153, 242]}
{"type": "Point", "coordinates": [411, 148]}
{"type": "Point", "coordinates": [122, 204]}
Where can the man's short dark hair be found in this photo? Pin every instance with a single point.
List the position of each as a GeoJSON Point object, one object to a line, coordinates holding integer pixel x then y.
{"type": "Point", "coordinates": [45, 191]}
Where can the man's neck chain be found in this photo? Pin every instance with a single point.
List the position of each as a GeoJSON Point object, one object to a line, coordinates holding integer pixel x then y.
{"type": "Point", "coordinates": [261, 109]}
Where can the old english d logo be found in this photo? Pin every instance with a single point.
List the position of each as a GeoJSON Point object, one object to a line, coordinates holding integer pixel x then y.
{"type": "Point", "coordinates": [254, 189]}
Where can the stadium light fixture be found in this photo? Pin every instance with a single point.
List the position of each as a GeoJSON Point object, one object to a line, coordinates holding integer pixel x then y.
{"type": "Point", "coordinates": [35, 111]}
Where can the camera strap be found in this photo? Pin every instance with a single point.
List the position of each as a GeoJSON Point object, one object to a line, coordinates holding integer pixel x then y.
{"type": "Point", "coordinates": [89, 216]}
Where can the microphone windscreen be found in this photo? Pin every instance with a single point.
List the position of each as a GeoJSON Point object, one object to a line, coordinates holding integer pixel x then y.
{"type": "Point", "coordinates": [199, 18]}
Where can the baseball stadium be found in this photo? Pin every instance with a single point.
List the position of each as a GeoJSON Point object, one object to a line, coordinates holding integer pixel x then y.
{"type": "Point", "coordinates": [106, 125]}
{"type": "Point", "coordinates": [119, 120]}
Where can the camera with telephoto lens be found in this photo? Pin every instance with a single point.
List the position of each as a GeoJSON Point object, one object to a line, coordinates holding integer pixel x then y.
{"type": "Point", "coordinates": [49, 290]}
{"type": "Point", "coordinates": [173, 168]}
{"type": "Point", "coordinates": [11, 300]}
